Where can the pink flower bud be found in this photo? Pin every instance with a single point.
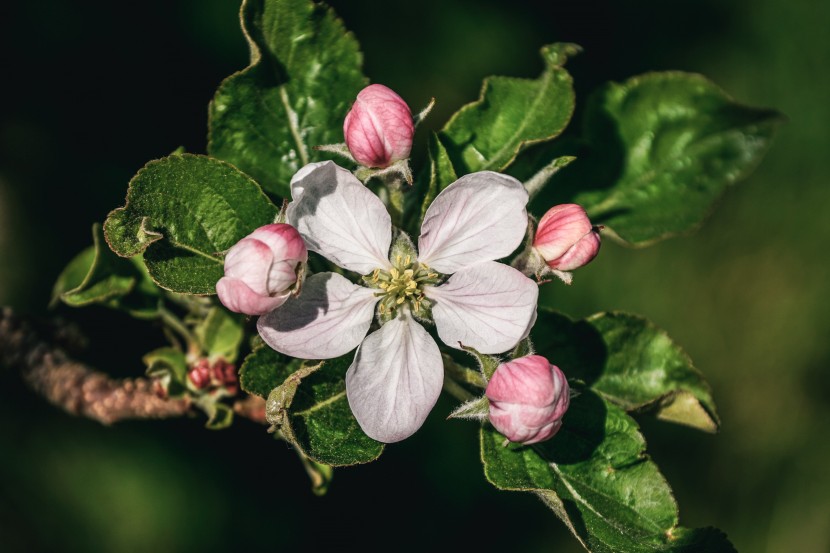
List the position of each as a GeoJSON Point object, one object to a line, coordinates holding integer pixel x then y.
{"type": "Point", "coordinates": [565, 238]}
{"type": "Point", "coordinates": [261, 269]}
{"type": "Point", "coordinates": [199, 374]}
{"type": "Point", "coordinates": [224, 374]}
{"type": "Point", "coordinates": [528, 398]}
{"type": "Point", "coordinates": [379, 127]}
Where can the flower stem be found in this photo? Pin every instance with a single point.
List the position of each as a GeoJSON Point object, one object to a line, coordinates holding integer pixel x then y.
{"type": "Point", "coordinates": [464, 374]}
{"type": "Point", "coordinates": [175, 324]}
{"type": "Point", "coordinates": [456, 390]}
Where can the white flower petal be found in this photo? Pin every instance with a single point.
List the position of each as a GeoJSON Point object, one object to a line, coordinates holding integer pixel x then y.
{"type": "Point", "coordinates": [339, 218]}
{"type": "Point", "coordinates": [329, 318]}
{"type": "Point", "coordinates": [479, 217]}
{"type": "Point", "coordinates": [488, 306]}
{"type": "Point", "coordinates": [395, 380]}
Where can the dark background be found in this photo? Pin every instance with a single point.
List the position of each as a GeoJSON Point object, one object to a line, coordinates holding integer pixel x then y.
{"type": "Point", "coordinates": [92, 90]}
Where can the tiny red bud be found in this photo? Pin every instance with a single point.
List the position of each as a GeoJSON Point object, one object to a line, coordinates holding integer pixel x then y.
{"type": "Point", "coordinates": [379, 127]}
{"type": "Point", "coordinates": [261, 269]}
{"type": "Point", "coordinates": [528, 398]}
{"type": "Point", "coordinates": [199, 374]}
{"type": "Point", "coordinates": [565, 238]}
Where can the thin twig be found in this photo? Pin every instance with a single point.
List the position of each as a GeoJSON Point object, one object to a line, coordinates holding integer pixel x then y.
{"type": "Point", "coordinates": [81, 390]}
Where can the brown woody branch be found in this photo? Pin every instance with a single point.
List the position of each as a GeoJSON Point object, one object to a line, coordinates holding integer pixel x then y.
{"type": "Point", "coordinates": [83, 391]}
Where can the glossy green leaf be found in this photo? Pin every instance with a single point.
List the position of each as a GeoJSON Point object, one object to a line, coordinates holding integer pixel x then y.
{"type": "Point", "coordinates": [183, 212]}
{"type": "Point", "coordinates": [595, 476]}
{"type": "Point", "coordinates": [630, 362]}
{"type": "Point", "coordinates": [510, 114]}
{"type": "Point", "coordinates": [305, 72]}
{"type": "Point", "coordinates": [660, 149]}
{"type": "Point", "coordinates": [98, 276]}
{"type": "Point", "coordinates": [264, 369]}
{"type": "Point", "coordinates": [311, 411]}
{"type": "Point", "coordinates": [220, 334]}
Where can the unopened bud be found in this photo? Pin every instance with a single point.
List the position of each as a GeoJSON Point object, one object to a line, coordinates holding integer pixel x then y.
{"type": "Point", "coordinates": [224, 374]}
{"type": "Point", "coordinates": [261, 269]}
{"type": "Point", "coordinates": [379, 127]}
{"type": "Point", "coordinates": [528, 398]}
{"type": "Point", "coordinates": [565, 238]}
{"type": "Point", "coordinates": [199, 374]}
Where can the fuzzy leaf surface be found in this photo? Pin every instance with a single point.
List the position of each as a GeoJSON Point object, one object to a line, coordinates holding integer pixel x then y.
{"type": "Point", "coordinates": [313, 414]}
{"type": "Point", "coordinates": [184, 212]}
{"type": "Point", "coordinates": [595, 476]}
{"type": "Point", "coordinates": [264, 369]}
{"type": "Point", "coordinates": [304, 74]}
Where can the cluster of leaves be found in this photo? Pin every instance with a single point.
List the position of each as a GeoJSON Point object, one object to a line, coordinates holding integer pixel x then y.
{"type": "Point", "coordinates": [652, 155]}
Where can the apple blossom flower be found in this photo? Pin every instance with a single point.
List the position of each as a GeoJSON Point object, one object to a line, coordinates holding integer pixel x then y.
{"type": "Point", "coordinates": [261, 268]}
{"type": "Point", "coordinates": [528, 398]}
{"type": "Point", "coordinates": [397, 372]}
{"type": "Point", "coordinates": [379, 127]}
{"type": "Point", "coordinates": [565, 238]}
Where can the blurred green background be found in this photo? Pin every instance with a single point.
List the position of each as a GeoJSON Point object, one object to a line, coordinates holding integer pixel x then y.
{"type": "Point", "coordinates": [93, 90]}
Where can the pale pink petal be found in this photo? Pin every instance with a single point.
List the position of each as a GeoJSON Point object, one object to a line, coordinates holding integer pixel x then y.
{"type": "Point", "coordinates": [395, 380]}
{"type": "Point", "coordinates": [488, 306]}
{"type": "Point", "coordinates": [328, 319]}
{"type": "Point", "coordinates": [479, 217]}
{"type": "Point", "coordinates": [237, 296]}
{"type": "Point", "coordinates": [339, 218]}
{"type": "Point", "coordinates": [250, 261]}
{"type": "Point", "coordinates": [282, 275]}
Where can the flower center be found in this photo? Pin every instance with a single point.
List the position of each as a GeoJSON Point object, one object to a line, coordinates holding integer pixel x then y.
{"type": "Point", "coordinates": [403, 283]}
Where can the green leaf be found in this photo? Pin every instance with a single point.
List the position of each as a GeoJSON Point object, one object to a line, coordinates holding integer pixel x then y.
{"type": "Point", "coordinates": [595, 476]}
{"type": "Point", "coordinates": [264, 369]}
{"type": "Point", "coordinates": [183, 212]}
{"type": "Point", "coordinates": [304, 74]}
{"type": "Point", "coordinates": [98, 276]}
{"type": "Point", "coordinates": [220, 416]}
{"type": "Point", "coordinates": [169, 366]}
{"type": "Point", "coordinates": [660, 150]}
{"type": "Point", "coordinates": [441, 173]}
{"type": "Point", "coordinates": [220, 334]}
{"type": "Point", "coordinates": [311, 411]}
{"type": "Point", "coordinates": [510, 114]}
{"type": "Point", "coordinates": [630, 362]}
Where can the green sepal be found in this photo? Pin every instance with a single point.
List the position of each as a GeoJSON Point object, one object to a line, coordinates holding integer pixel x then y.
{"type": "Point", "coordinates": [184, 212]}
{"type": "Point", "coordinates": [98, 276]}
{"type": "Point", "coordinates": [658, 151]}
{"type": "Point", "coordinates": [511, 114]}
{"type": "Point", "coordinates": [487, 364]}
{"type": "Point", "coordinates": [474, 409]}
{"type": "Point", "coordinates": [169, 367]}
{"type": "Point", "coordinates": [304, 74]}
{"type": "Point", "coordinates": [220, 334]}
{"type": "Point", "coordinates": [630, 362]}
{"type": "Point", "coordinates": [595, 476]}
{"type": "Point", "coordinates": [311, 411]}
